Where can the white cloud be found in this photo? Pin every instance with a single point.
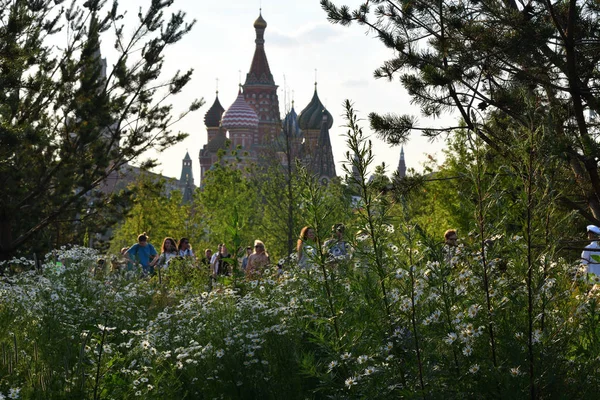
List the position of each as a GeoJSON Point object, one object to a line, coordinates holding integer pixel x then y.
{"type": "Point", "coordinates": [319, 33]}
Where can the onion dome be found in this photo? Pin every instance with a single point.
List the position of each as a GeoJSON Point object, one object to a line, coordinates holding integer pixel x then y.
{"type": "Point", "coordinates": [212, 118]}
{"type": "Point", "coordinates": [290, 123]}
{"type": "Point", "coordinates": [312, 116]}
{"type": "Point", "coordinates": [260, 23]}
{"type": "Point", "coordinates": [239, 115]}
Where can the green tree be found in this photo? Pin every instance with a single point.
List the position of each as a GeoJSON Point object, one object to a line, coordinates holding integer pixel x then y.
{"type": "Point", "coordinates": [65, 126]}
{"type": "Point", "coordinates": [155, 213]}
{"type": "Point", "coordinates": [493, 63]}
{"type": "Point", "coordinates": [228, 205]}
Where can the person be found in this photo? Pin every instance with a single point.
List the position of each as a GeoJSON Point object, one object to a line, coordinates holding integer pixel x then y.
{"type": "Point", "coordinates": [450, 249]}
{"type": "Point", "coordinates": [305, 250]}
{"type": "Point", "coordinates": [258, 260]}
{"type": "Point", "coordinates": [592, 249]}
{"type": "Point", "coordinates": [130, 259]}
{"type": "Point", "coordinates": [143, 252]}
{"type": "Point", "coordinates": [219, 265]}
{"type": "Point", "coordinates": [451, 237]}
{"type": "Point", "coordinates": [336, 246]}
{"type": "Point", "coordinates": [245, 259]}
{"type": "Point", "coordinates": [214, 259]}
{"type": "Point", "coordinates": [185, 250]}
{"type": "Point", "coordinates": [168, 251]}
{"type": "Point", "coordinates": [206, 260]}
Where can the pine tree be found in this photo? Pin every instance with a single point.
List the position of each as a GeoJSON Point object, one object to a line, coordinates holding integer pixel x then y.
{"type": "Point", "coordinates": [64, 125]}
{"type": "Point", "coordinates": [498, 65]}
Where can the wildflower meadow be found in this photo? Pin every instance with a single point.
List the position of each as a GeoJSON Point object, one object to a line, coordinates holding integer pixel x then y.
{"type": "Point", "coordinates": [502, 313]}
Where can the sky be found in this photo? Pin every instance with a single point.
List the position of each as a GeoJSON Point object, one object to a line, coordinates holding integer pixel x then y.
{"type": "Point", "coordinates": [301, 46]}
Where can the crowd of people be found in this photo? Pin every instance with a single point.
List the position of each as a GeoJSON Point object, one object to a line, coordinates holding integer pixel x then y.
{"type": "Point", "coordinates": [254, 259]}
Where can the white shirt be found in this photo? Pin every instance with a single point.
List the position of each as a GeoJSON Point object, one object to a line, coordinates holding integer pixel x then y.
{"type": "Point", "coordinates": [186, 253]}
{"type": "Point", "coordinates": [214, 264]}
{"type": "Point", "coordinates": [165, 258]}
{"type": "Point", "coordinates": [591, 249]}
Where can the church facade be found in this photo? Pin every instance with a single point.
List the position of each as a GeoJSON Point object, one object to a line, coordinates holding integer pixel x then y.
{"type": "Point", "coordinates": [254, 125]}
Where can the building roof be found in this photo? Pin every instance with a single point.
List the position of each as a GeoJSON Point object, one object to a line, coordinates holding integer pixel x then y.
{"type": "Point", "coordinates": [217, 143]}
{"type": "Point", "coordinates": [313, 114]}
{"type": "Point", "coordinates": [239, 115]}
{"type": "Point", "coordinates": [260, 73]}
{"type": "Point", "coordinates": [212, 118]}
{"type": "Point", "coordinates": [260, 23]}
{"type": "Point", "coordinates": [290, 122]}
{"type": "Point", "coordinates": [323, 163]}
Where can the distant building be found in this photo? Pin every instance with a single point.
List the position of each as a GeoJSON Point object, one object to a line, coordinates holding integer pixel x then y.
{"type": "Point", "coordinates": [401, 164]}
{"type": "Point", "coordinates": [253, 123]}
{"type": "Point", "coordinates": [129, 174]}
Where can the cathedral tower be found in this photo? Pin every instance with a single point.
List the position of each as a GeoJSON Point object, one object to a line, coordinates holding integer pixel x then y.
{"type": "Point", "coordinates": [310, 121]}
{"type": "Point", "coordinates": [260, 90]}
{"type": "Point", "coordinates": [401, 164]}
{"type": "Point", "coordinates": [322, 162]}
{"type": "Point", "coordinates": [212, 118]}
{"type": "Point", "coordinates": [187, 178]}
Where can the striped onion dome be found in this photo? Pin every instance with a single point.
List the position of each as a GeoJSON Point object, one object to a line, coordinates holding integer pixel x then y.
{"type": "Point", "coordinates": [239, 115]}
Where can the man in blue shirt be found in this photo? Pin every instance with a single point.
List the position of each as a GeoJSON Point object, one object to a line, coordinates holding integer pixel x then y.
{"type": "Point", "coordinates": [143, 252]}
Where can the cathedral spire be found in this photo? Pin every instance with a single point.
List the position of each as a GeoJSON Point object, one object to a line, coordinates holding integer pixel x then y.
{"type": "Point", "coordinates": [323, 163]}
{"type": "Point", "coordinates": [260, 73]}
{"type": "Point", "coordinates": [186, 181]}
{"type": "Point", "coordinates": [401, 164]}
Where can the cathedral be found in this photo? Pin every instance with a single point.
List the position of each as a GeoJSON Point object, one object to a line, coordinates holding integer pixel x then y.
{"type": "Point", "coordinates": [253, 123]}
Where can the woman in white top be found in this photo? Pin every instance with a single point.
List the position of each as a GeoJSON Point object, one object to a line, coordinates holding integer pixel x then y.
{"type": "Point", "coordinates": [185, 250]}
{"type": "Point", "coordinates": [168, 251]}
{"type": "Point", "coordinates": [306, 247]}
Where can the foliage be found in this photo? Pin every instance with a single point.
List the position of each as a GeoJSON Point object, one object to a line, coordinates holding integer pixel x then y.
{"type": "Point", "coordinates": [501, 66]}
{"type": "Point", "coordinates": [152, 212]}
{"type": "Point", "coordinates": [66, 125]}
{"type": "Point", "coordinates": [503, 314]}
{"type": "Point", "coordinates": [228, 206]}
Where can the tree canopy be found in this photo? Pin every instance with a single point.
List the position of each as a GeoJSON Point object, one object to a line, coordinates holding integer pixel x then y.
{"type": "Point", "coordinates": [501, 66]}
{"type": "Point", "coordinates": [66, 124]}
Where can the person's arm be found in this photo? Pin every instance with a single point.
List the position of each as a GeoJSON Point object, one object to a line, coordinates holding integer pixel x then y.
{"type": "Point", "coordinates": [250, 264]}
{"type": "Point", "coordinates": [155, 260]}
{"type": "Point", "coordinates": [213, 264]}
{"type": "Point", "coordinates": [127, 255]}
{"type": "Point", "coordinates": [585, 257]}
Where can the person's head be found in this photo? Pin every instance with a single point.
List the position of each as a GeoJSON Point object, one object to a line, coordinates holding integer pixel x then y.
{"type": "Point", "coordinates": [184, 244]}
{"type": "Point", "coordinates": [223, 248]}
{"type": "Point", "coordinates": [259, 247]}
{"type": "Point", "coordinates": [593, 232]}
{"type": "Point", "coordinates": [208, 253]}
{"type": "Point", "coordinates": [124, 250]}
{"type": "Point", "coordinates": [143, 239]}
{"type": "Point", "coordinates": [338, 231]}
{"type": "Point", "coordinates": [168, 245]}
{"type": "Point", "coordinates": [450, 237]}
{"type": "Point", "coordinates": [249, 250]}
{"type": "Point", "coordinates": [307, 233]}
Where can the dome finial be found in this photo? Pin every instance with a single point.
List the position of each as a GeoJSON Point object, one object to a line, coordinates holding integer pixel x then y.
{"type": "Point", "coordinates": [260, 22]}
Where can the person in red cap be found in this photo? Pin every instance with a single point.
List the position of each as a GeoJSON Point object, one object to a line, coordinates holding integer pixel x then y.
{"type": "Point", "coordinates": [592, 249]}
